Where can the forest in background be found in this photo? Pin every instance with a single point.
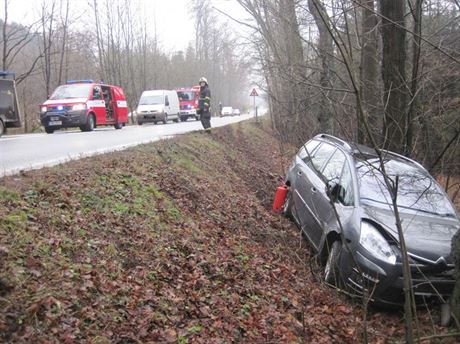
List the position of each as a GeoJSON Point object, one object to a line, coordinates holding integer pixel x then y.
{"type": "Point", "coordinates": [384, 73]}
{"type": "Point", "coordinates": [113, 41]}
{"type": "Point", "coordinates": [377, 72]}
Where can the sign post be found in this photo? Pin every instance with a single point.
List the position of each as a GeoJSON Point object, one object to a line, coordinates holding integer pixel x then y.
{"type": "Point", "coordinates": [254, 94]}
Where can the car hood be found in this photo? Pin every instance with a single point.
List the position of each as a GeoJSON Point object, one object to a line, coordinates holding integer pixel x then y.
{"type": "Point", "coordinates": [428, 237]}
{"type": "Point", "coordinates": [156, 107]}
{"type": "Point", "coordinates": [65, 101]}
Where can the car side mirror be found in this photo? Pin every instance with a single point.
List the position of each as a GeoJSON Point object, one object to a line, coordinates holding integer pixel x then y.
{"type": "Point", "coordinates": [334, 191]}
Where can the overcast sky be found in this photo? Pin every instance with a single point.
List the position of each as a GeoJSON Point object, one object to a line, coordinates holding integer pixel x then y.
{"type": "Point", "coordinates": [174, 22]}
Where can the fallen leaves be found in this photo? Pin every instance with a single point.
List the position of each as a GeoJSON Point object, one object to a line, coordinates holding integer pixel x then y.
{"type": "Point", "coordinates": [176, 247]}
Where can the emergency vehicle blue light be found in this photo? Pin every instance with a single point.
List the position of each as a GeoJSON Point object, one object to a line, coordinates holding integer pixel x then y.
{"type": "Point", "coordinates": [60, 108]}
{"type": "Point", "coordinates": [4, 73]}
{"type": "Point", "coordinates": [80, 81]}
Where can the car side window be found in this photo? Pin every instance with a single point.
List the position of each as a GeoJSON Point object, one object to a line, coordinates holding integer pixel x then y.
{"type": "Point", "coordinates": [346, 196]}
{"type": "Point", "coordinates": [321, 155]}
{"type": "Point", "coordinates": [333, 169]}
{"type": "Point", "coordinates": [307, 150]}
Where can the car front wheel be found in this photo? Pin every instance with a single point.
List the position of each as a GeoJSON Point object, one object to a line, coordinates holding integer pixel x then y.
{"type": "Point", "coordinates": [331, 270]}
{"type": "Point", "coordinates": [288, 205]}
{"type": "Point", "coordinates": [90, 123]}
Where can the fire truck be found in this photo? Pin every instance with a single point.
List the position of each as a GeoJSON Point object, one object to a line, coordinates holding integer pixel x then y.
{"type": "Point", "coordinates": [9, 109]}
{"type": "Point", "coordinates": [188, 101]}
{"type": "Point", "coordinates": [85, 104]}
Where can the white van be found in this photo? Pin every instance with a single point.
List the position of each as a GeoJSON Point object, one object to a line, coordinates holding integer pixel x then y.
{"type": "Point", "coordinates": [158, 105]}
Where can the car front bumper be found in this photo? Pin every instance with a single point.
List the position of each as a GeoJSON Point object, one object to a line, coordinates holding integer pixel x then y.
{"type": "Point", "coordinates": [188, 113]}
{"type": "Point", "coordinates": [383, 282]}
{"type": "Point", "coordinates": [145, 117]}
{"type": "Point", "coordinates": [63, 119]}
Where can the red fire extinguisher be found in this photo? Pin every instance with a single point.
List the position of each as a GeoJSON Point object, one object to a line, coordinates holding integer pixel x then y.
{"type": "Point", "coordinates": [280, 197]}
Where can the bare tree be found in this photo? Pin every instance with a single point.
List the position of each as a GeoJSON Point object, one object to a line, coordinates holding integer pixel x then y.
{"type": "Point", "coordinates": [64, 29]}
{"type": "Point", "coordinates": [47, 25]}
{"type": "Point", "coordinates": [326, 53]}
{"type": "Point", "coordinates": [369, 71]}
{"type": "Point", "coordinates": [394, 75]}
{"type": "Point", "coordinates": [14, 39]}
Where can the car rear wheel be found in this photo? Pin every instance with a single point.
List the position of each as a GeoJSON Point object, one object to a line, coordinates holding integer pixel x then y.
{"type": "Point", "coordinates": [331, 269]}
{"type": "Point", "coordinates": [118, 125]}
{"type": "Point", "coordinates": [49, 130]}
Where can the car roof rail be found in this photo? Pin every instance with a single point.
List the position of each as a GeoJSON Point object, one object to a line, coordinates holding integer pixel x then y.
{"type": "Point", "coordinates": [80, 81]}
{"type": "Point", "coordinates": [334, 139]}
{"type": "Point", "coordinates": [4, 74]}
{"type": "Point", "coordinates": [403, 157]}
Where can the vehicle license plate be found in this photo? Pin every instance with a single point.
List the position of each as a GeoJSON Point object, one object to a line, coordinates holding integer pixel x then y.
{"type": "Point", "coordinates": [55, 123]}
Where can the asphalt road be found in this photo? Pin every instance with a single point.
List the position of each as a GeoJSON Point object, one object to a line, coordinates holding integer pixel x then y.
{"type": "Point", "coordinates": [33, 151]}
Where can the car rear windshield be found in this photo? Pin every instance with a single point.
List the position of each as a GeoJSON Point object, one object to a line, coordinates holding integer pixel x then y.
{"type": "Point", "coordinates": [72, 91]}
{"type": "Point", "coordinates": [416, 189]}
{"type": "Point", "coordinates": [186, 96]}
{"type": "Point", "coordinates": [151, 100]}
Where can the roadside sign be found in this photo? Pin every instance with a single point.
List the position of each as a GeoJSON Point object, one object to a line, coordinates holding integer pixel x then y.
{"type": "Point", "coordinates": [254, 94]}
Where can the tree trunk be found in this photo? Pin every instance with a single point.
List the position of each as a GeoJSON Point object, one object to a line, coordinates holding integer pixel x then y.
{"type": "Point", "coordinates": [369, 73]}
{"type": "Point", "coordinates": [455, 299]}
{"type": "Point", "coordinates": [413, 107]}
{"type": "Point", "coordinates": [65, 29]}
{"type": "Point", "coordinates": [326, 54]}
{"type": "Point", "coordinates": [394, 75]}
{"type": "Point", "coordinates": [5, 39]}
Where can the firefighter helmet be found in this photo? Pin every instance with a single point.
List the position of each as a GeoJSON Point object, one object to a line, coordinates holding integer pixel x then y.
{"type": "Point", "coordinates": [203, 79]}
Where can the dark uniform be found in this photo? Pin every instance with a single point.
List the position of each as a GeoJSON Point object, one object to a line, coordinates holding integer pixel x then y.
{"type": "Point", "coordinates": [205, 106]}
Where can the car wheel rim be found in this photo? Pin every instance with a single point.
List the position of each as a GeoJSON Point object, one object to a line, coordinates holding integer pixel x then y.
{"type": "Point", "coordinates": [329, 270]}
{"type": "Point", "coordinates": [287, 202]}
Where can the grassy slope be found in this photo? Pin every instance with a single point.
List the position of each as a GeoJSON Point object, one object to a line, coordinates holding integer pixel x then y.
{"type": "Point", "coordinates": [168, 242]}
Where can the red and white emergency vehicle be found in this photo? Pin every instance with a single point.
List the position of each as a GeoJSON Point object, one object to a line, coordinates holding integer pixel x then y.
{"type": "Point", "coordinates": [188, 101]}
{"type": "Point", "coordinates": [85, 104]}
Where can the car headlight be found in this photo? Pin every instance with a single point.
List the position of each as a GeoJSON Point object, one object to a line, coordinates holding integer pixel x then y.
{"type": "Point", "coordinates": [78, 107]}
{"type": "Point", "coordinates": [375, 243]}
{"type": "Point", "coordinates": [44, 109]}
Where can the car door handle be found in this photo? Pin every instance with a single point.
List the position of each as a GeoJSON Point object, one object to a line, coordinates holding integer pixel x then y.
{"type": "Point", "coordinates": [314, 190]}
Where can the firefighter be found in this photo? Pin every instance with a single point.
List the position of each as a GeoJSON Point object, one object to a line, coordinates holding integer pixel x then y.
{"type": "Point", "coordinates": [205, 104]}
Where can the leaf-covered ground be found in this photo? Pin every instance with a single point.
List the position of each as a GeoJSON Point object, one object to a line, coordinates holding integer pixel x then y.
{"type": "Point", "coordinates": [168, 242]}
